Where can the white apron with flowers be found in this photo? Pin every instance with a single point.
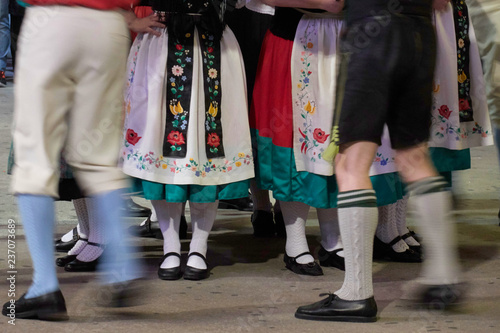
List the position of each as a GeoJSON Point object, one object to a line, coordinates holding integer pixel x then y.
{"type": "Point", "coordinates": [446, 130]}
{"type": "Point", "coordinates": [314, 78]}
{"type": "Point", "coordinates": [145, 104]}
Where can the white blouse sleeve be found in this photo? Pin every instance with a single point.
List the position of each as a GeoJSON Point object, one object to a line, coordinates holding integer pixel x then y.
{"type": "Point", "coordinates": [256, 6]}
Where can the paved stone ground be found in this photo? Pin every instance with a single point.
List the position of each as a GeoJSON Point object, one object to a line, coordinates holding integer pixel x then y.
{"type": "Point", "coordinates": [250, 290]}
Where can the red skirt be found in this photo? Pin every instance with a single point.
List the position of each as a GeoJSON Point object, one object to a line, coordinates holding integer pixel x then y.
{"type": "Point", "coordinates": [271, 112]}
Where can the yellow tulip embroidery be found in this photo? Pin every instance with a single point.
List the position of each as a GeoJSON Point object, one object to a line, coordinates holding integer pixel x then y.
{"type": "Point", "coordinates": [176, 109]}
{"type": "Point", "coordinates": [213, 110]}
{"type": "Point", "coordinates": [309, 108]}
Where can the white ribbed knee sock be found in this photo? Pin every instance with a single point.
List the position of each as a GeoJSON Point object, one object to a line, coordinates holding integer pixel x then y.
{"type": "Point", "coordinates": [358, 220]}
{"type": "Point", "coordinates": [169, 218]}
{"type": "Point", "coordinates": [202, 220]}
{"type": "Point", "coordinates": [295, 216]}
{"type": "Point", "coordinates": [96, 235]}
{"type": "Point", "coordinates": [387, 229]}
{"type": "Point", "coordinates": [433, 205]}
{"type": "Point", "coordinates": [401, 211]}
{"type": "Point", "coordinates": [83, 222]}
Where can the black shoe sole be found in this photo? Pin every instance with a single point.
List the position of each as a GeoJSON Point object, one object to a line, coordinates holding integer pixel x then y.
{"type": "Point", "coordinates": [197, 275]}
{"type": "Point", "coordinates": [351, 319]}
{"type": "Point", "coordinates": [47, 316]}
{"type": "Point", "coordinates": [169, 276]}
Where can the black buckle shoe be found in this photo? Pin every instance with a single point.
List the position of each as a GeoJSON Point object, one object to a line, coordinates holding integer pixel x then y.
{"type": "Point", "coordinates": [382, 250]}
{"type": "Point", "coordinates": [243, 204]}
{"type": "Point", "coordinates": [66, 246]}
{"type": "Point", "coordinates": [263, 224]}
{"type": "Point", "coordinates": [143, 230]}
{"type": "Point", "coordinates": [416, 248]}
{"type": "Point", "coordinates": [46, 307]}
{"type": "Point", "coordinates": [134, 210]}
{"type": "Point", "coordinates": [331, 259]}
{"type": "Point", "coordinates": [311, 268]}
{"type": "Point", "coordinates": [84, 266]}
{"type": "Point", "coordinates": [173, 273]}
{"type": "Point", "coordinates": [333, 308]}
{"type": "Point", "coordinates": [196, 274]}
{"type": "Point", "coordinates": [81, 266]}
{"type": "Point", "coordinates": [61, 262]}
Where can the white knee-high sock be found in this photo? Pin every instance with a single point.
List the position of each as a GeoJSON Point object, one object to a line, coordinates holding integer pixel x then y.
{"type": "Point", "coordinates": [153, 217]}
{"type": "Point", "coordinates": [330, 231]}
{"type": "Point", "coordinates": [433, 205]}
{"type": "Point", "coordinates": [83, 222]}
{"type": "Point", "coordinates": [387, 229]}
{"type": "Point", "coordinates": [169, 218]}
{"type": "Point", "coordinates": [295, 216]}
{"type": "Point", "coordinates": [358, 220]}
{"type": "Point", "coordinates": [202, 220]}
{"type": "Point", "coordinates": [401, 211]}
{"type": "Point", "coordinates": [96, 235]}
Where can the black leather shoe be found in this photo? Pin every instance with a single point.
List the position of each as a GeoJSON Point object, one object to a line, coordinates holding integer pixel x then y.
{"type": "Point", "coordinates": [196, 274]}
{"type": "Point", "coordinates": [81, 266]}
{"type": "Point", "coordinates": [243, 204]}
{"type": "Point", "coordinates": [382, 250]}
{"type": "Point", "coordinates": [46, 307]}
{"type": "Point", "coordinates": [134, 210]}
{"type": "Point", "coordinates": [66, 246]}
{"type": "Point", "coordinates": [280, 225]}
{"type": "Point", "coordinates": [442, 297]}
{"type": "Point", "coordinates": [263, 224]}
{"type": "Point", "coordinates": [183, 229]}
{"type": "Point", "coordinates": [331, 259]}
{"type": "Point", "coordinates": [173, 273]}
{"type": "Point", "coordinates": [61, 262]}
{"type": "Point", "coordinates": [311, 268]}
{"type": "Point", "coordinates": [334, 308]}
{"type": "Point", "coordinates": [144, 230]}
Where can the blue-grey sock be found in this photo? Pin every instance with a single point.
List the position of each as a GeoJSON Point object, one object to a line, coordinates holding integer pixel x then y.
{"type": "Point", "coordinates": [37, 215]}
{"type": "Point", "coordinates": [117, 262]}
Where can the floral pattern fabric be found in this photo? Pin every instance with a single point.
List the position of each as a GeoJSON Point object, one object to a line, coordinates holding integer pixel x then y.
{"type": "Point", "coordinates": [179, 82]}
{"type": "Point", "coordinates": [461, 17]}
{"type": "Point", "coordinates": [146, 114]}
{"type": "Point", "coordinates": [452, 124]}
{"type": "Point", "coordinates": [314, 76]}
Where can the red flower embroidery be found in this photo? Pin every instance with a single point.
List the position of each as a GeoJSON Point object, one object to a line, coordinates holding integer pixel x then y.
{"type": "Point", "coordinates": [132, 137]}
{"type": "Point", "coordinates": [213, 140]}
{"type": "Point", "coordinates": [463, 105]}
{"type": "Point", "coordinates": [444, 111]}
{"type": "Point", "coordinates": [175, 138]}
{"type": "Point", "coordinates": [210, 49]}
{"type": "Point", "coordinates": [178, 47]}
{"type": "Point", "coordinates": [319, 135]}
